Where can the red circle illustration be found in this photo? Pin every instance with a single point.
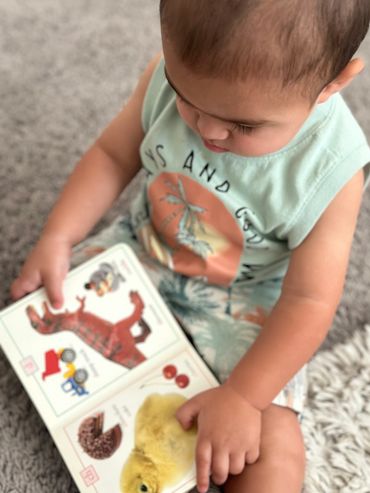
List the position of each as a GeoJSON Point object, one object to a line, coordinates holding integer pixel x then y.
{"type": "Point", "coordinates": [182, 381]}
{"type": "Point", "coordinates": [169, 371]}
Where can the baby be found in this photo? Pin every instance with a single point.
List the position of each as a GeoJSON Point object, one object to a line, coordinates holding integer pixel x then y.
{"type": "Point", "coordinates": [253, 172]}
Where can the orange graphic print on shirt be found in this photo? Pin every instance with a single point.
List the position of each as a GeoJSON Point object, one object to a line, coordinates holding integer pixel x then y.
{"type": "Point", "coordinates": [191, 230]}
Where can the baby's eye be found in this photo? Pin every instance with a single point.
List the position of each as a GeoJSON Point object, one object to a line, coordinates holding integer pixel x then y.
{"type": "Point", "coordinates": [243, 129]}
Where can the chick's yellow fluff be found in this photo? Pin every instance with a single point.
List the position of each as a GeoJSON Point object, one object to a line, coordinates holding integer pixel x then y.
{"type": "Point", "coordinates": [163, 451]}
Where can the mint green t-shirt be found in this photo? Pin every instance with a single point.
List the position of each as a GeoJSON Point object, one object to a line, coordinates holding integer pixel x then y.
{"type": "Point", "coordinates": [232, 219]}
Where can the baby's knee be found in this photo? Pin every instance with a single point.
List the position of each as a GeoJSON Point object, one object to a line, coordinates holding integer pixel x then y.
{"type": "Point", "coordinates": [282, 443]}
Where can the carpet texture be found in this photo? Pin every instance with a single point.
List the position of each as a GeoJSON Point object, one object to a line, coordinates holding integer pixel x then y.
{"type": "Point", "coordinates": [66, 68]}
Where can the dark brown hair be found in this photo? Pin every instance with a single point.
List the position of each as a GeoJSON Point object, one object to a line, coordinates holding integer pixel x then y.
{"type": "Point", "coordinates": [291, 41]}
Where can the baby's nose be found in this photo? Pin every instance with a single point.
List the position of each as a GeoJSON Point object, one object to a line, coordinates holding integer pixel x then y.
{"type": "Point", "coordinates": [211, 129]}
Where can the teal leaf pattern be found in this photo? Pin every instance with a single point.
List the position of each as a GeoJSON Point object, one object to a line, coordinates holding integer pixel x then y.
{"type": "Point", "coordinates": [223, 341]}
{"type": "Point", "coordinates": [190, 300]}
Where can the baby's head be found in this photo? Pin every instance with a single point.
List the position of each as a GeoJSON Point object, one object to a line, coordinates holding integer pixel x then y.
{"type": "Point", "coordinates": [249, 72]}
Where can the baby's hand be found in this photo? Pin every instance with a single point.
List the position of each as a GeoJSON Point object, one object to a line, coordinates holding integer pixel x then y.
{"type": "Point", "coordinates": [47, 265]}
{"type": "Point", "coordinates": [229, 431]}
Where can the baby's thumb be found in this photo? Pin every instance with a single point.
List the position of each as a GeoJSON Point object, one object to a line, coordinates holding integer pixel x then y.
{"type": "Point", "coordinates": [53, 287]}
{"type": "Point", "coordinates": [24, 284]}
{"type": "Point", "coordinates": [187, 413]}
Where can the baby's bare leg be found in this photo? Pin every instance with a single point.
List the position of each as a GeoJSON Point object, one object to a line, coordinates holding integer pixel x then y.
{"type": "Point", "coordinates": [280, 467]}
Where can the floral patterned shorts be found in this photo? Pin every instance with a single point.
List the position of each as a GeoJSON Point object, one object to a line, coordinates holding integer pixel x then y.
{"type": "Point", "coordinates": [222, 322]}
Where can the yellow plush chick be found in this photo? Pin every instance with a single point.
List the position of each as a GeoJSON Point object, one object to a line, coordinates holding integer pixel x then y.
{"type": "Point", "coordinates": [163, 451]}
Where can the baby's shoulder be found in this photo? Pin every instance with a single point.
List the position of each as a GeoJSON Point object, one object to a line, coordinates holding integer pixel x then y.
{"type": "Point", "coordinates": [158, 96]}
{"type": "Point", "coordinates": [341, 132]}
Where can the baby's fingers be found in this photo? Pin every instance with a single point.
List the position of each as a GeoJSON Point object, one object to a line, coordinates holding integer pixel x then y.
{"type": "Point", "coordinates": [188, 412]}
{"type": "Point", "coordinates": [53, 286]}
{"type": "Point", "coordinates": [252, 456]}
{"type": "Point", "coordinates": [237, 464]}
{"type": "Point", "coordinates": [220, 467]}
{"type": "Point", "coordinates": [24, 285]}
{"type": "Point", "coordinates": [203, 457]}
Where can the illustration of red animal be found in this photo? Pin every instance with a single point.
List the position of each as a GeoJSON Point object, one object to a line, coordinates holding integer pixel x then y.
{"type": "Point", "coordinates": [113, 340]}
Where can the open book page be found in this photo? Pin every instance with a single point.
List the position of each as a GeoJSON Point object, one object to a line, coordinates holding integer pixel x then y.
{"type": "Point", "coordinates": [131, 441]}
{"type": "Point", "coordinates": [113, 330]}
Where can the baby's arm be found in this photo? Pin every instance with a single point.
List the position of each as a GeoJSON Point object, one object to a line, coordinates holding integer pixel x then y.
{"type": "Point", "coordinates": [97, 180]}
{"type": "Point", "coordinates": [312, 289]}
{"type": "Point", "coordinates": [229, 416]}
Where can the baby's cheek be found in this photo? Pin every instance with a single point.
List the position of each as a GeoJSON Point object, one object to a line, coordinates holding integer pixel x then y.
{"type": "Point", "coordinates": [187, 114]}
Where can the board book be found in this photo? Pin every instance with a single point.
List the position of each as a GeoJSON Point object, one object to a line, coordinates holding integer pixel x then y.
{"type": "Point", "coordinates": [106, 373]}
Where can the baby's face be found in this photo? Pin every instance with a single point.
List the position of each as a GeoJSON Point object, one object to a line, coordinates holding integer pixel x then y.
{"type": "Point", "coordinates": [245, 118]}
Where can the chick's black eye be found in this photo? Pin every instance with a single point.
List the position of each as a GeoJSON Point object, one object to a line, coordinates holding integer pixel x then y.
{"type": "Point", "coordinates": [143, 488]}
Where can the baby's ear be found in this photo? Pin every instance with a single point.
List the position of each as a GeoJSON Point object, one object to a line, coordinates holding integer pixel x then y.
{"type": "Point", "coordinates": [350, 71]}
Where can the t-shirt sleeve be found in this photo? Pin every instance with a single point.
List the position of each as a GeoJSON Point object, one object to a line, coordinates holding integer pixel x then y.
{"type": "Point", "coordinates": [343, 152]}
{"type": "Point", "coordinates": [323, 192]}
